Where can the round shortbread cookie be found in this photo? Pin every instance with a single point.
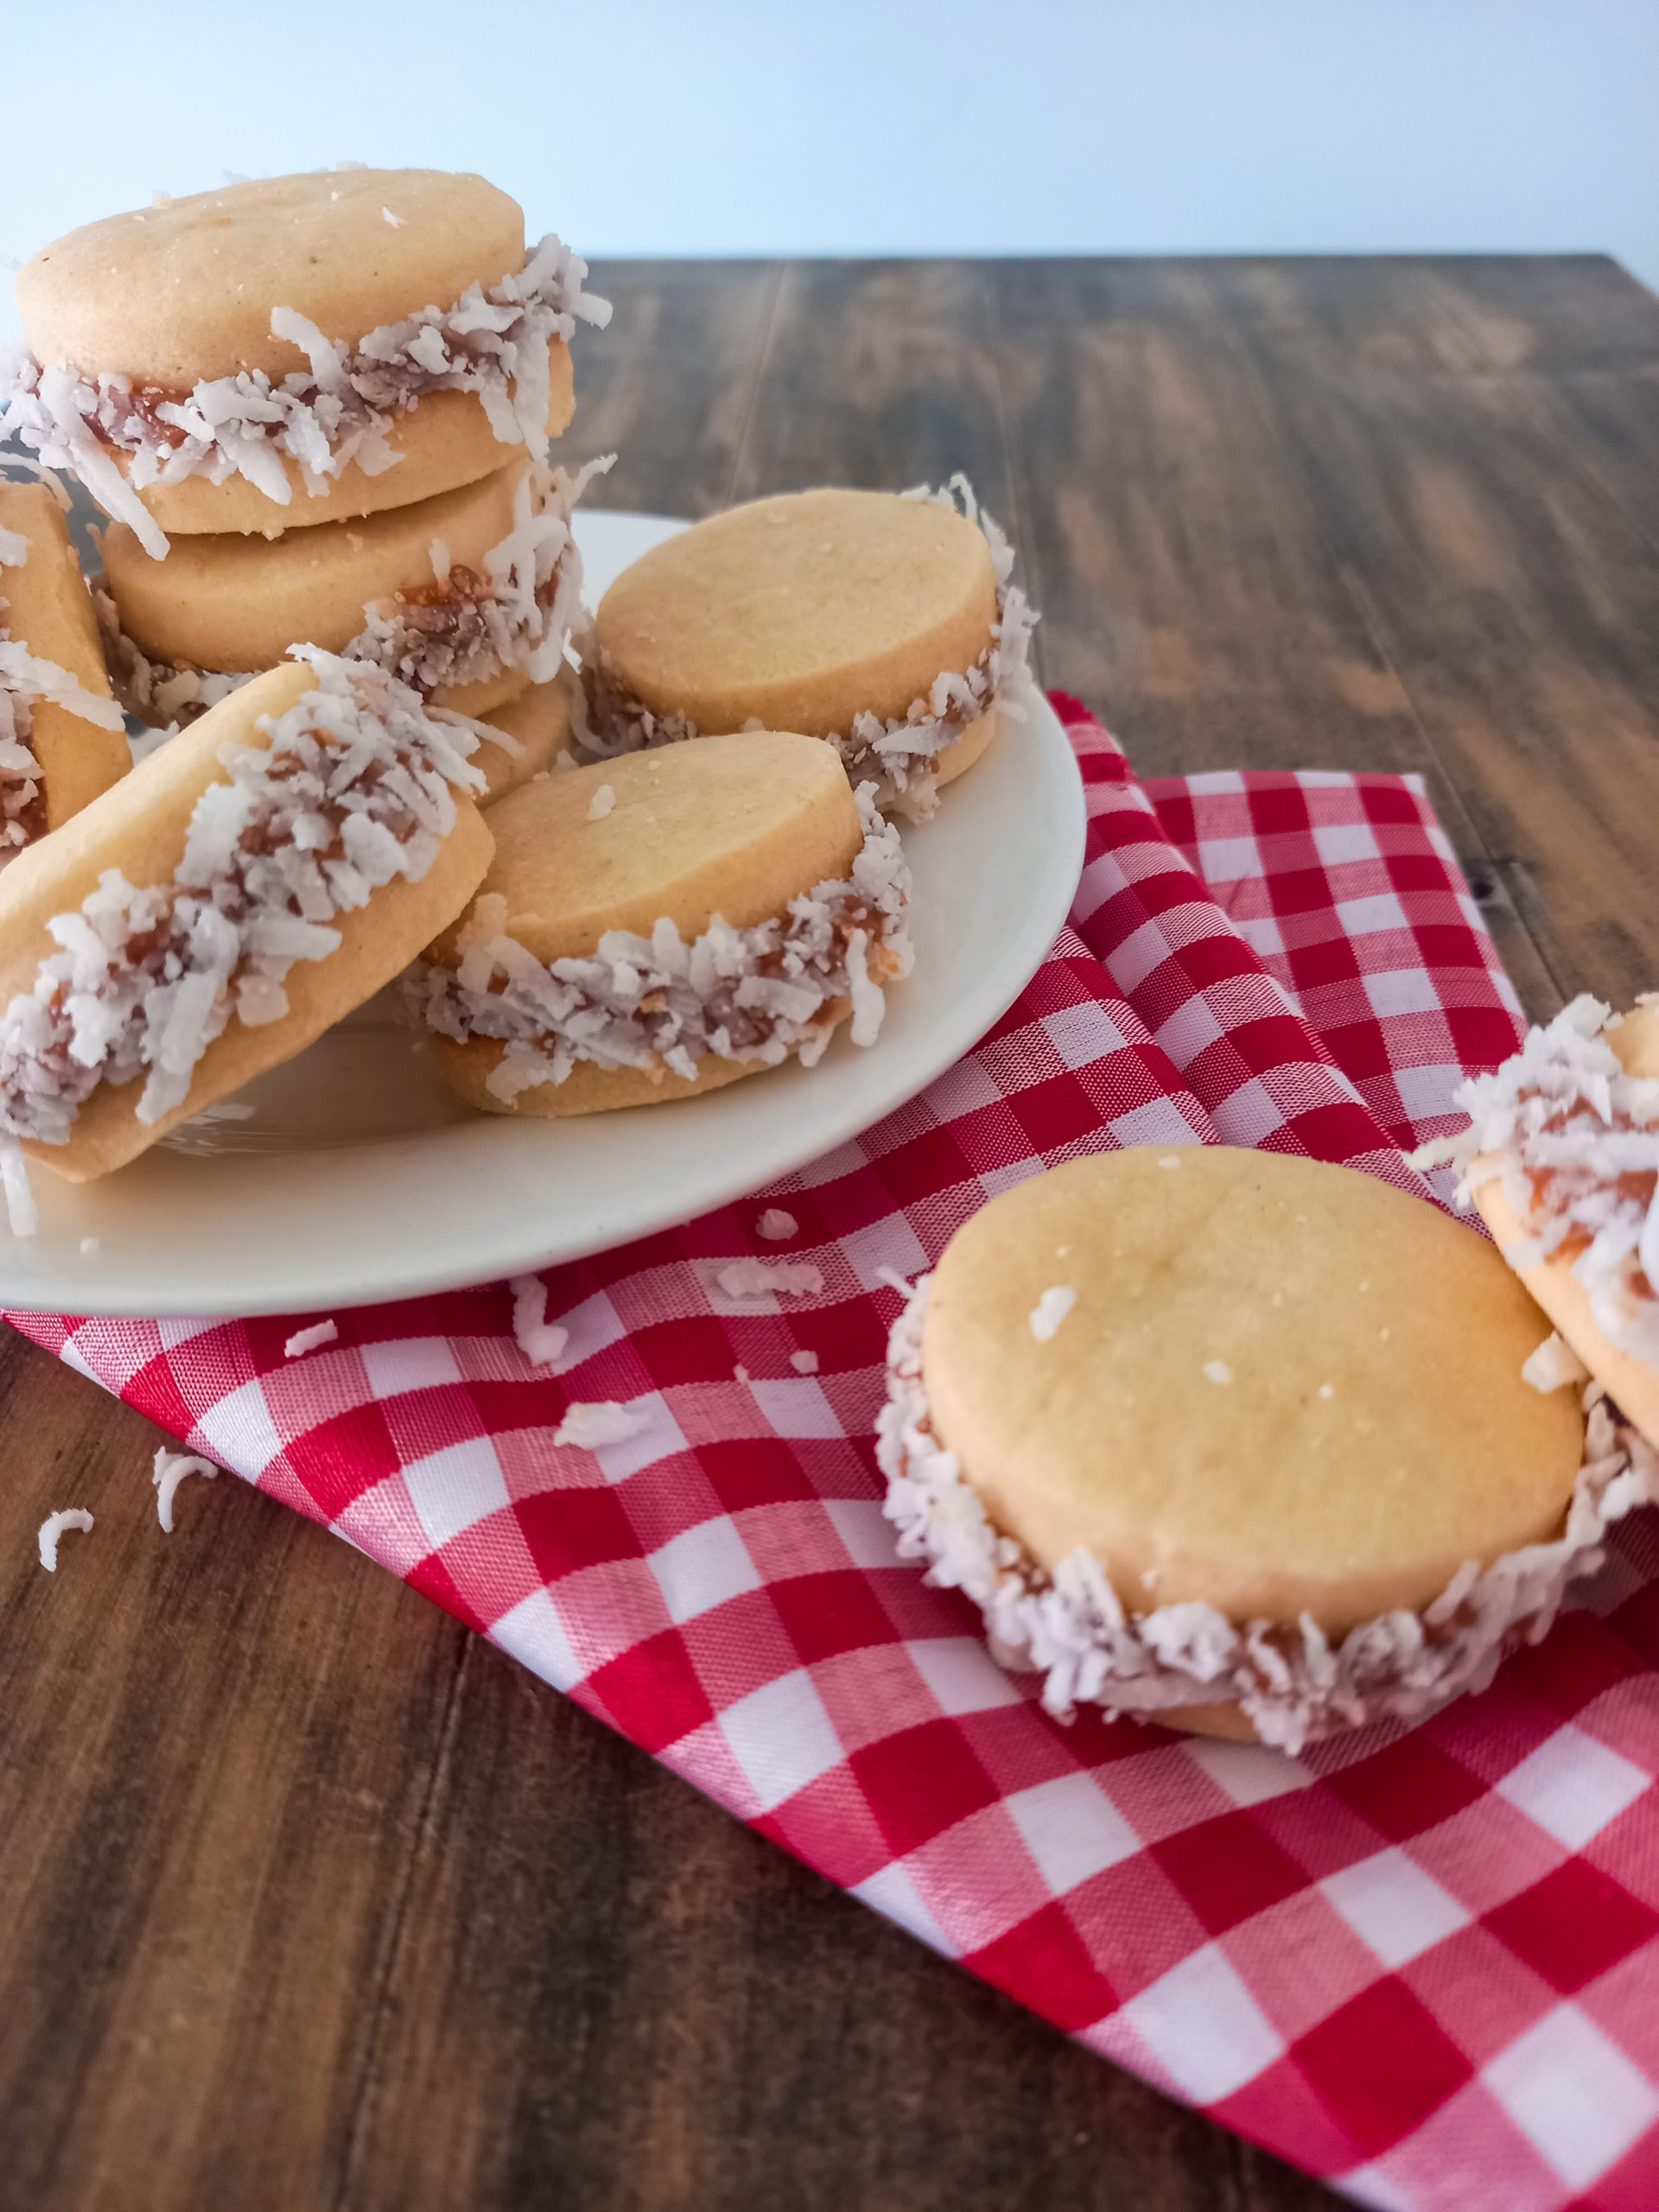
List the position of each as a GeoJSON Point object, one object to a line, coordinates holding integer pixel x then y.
{"type": "Point", "coordinates": [540, 724]}
{"type": "Point", "coordinates": [735, 827]}
{"type": "Point", "coordinates": [45, 607]}
{"type": "Point", "coordinates": [803, 612]}
{"type": "Point", "coordinates": [228, 603]}
{"type": "Point", "coordinates": [176, 295]}
{"type": "Point", "coordinates": [1281, 1388]}
{"type": "Point", "coordinates": [139, 829]}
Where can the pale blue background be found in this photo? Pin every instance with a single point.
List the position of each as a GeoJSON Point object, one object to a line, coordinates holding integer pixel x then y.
{"type": "Point", "coordinates": [871, 126]}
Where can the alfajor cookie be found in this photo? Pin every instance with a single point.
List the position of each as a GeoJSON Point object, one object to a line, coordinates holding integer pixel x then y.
{"type": "Point", "coordinates": [1562, 1158]}
{"type": "Point", "coordinates": [527, 738]}
{"type": "Point", "coordinates": [1243, 1441]}
{"type": "Point", "coordinates": [295, 349]}
{"type": "Point", "coordinates": [661, 925]}
{"type": "Point", "coordinates": [469, 598]}
{"type": "Point", "coordinates": [62, 740]}
{"type": "Point", "coordinates": [889, 623]}
{"type": "Point", "coordinates": [233, 897]}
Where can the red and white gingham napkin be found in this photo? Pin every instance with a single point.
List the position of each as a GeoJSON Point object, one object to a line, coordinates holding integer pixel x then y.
{"type": "Point", "coordinates": [1422, 1965]}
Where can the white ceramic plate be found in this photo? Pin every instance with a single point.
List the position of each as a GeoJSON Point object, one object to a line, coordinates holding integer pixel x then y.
{"type": "Point", "coordinates": [350, 1175]}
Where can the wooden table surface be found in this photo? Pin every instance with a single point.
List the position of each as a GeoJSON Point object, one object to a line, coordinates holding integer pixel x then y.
{"type": "Point", "coordinates": [308, 1897]}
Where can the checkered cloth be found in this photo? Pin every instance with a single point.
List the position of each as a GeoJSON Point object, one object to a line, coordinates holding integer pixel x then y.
{"type": "Point", "coordinates": [1422, 1966]}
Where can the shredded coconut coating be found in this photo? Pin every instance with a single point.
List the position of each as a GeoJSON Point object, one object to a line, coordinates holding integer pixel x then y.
{"type": "Point", "coordinates": [1575, 1142]}
{"type": "Point", "coordinates": [541, 1341]}
{"type": "Point", "coordinates": [311, 1339]}
{"type": "Point", "coordinates": [901, 754]}
{"type": "Point", "coordinates": [168, 1469]}
{"type": "Point", "coordinates": [54, 1526]}
{"type": "Point", "coordinates": [656, 1003]}
{"type": "Point", "coordinates": [1294, 1684]}
{"type": "Point", "coordinates": [325, 418]}
{"type": "Point", "coordinates": [354, 787]}
{"type": "Point", "coordinates": [518, 611]}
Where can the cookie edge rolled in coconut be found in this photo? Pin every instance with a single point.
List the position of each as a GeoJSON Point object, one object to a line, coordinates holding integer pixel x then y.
{"type": "Point", "coordinates": [1592, 1296]}
{"type": "Point", "coordinates": [535, 643]}
{"type": "Point", "coordinates": [493, 1071]}
{"type": "Point", "coordinates": [1291, 1685]}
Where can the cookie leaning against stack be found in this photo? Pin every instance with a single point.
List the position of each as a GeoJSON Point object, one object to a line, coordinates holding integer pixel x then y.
{"type": "Point", "coordinates": [886, 623]}
{"type": "Point", "coordinates": [61, 740]}
{"type": "Point", "coordinates": [209, 915]}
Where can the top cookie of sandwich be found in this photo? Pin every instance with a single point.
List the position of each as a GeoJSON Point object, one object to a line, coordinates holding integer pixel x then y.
{"type": "Point", "coordinates": [803, 612]}
{"type": "Point", "coordinates": [178, 295]}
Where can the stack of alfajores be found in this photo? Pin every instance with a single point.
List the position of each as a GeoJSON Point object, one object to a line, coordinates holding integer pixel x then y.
{"type": "Point", "coordinates": [318, 410]}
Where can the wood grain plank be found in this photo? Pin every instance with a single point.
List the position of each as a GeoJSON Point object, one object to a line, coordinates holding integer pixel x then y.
{"type": "Point", "coordinates": [1190, 591]}
{"type": "Point", "coordinates": [214, 1756]}
{"type": "Point", "coordinates": [1517, 605]}
{"type": "Point", "coordinates": [877, 373]}
{"type": "Point", "coordinates": [669, 384]}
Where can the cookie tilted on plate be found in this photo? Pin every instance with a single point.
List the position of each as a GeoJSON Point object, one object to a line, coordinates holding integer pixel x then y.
{"type": "Point", "coordinates": [661, 925]}
{"type": "Point", "coordinates": [231, 899]}
{"type": "Point", "coordinates": [61, 738]}
{"type": "Point", "coordinates": [1242, 1442]}
{"type": "Point", "coordinates": [293, 350]}
{"type": "Point", "coordinates": [887, 623]}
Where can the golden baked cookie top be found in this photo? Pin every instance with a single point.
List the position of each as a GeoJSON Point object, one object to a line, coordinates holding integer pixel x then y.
{"type": "Point", "coordinates": [177, 295]}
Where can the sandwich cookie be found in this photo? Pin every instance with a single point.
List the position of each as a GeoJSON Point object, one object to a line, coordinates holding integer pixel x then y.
{"type": "Point", "coordinates": [62, 739]}
{"type": "Point", "coordinates": [295, 349]}
{"type": "Point", "coordinates": [1562, 1158]}
{"type": "Point", "coordinates": [469, 598]}
{"type": "Point", "coordinates": [886, 623]}
{"type": "Point", "coordinates": [231, 899]}
{"type": "Point", "coordinates": [659, 925]}
{"type": "Point", "coordinates": [1242, 1441]}
{"type": "Point", "coordinates": [528, 737]}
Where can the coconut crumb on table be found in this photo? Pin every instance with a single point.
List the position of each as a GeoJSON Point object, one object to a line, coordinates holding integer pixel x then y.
{"type": "Point", "coordinates": [804, 1363]}
{"type": "Point", "coordinates": [72, 1516]}
{"type": "Point", "coordinates": [168, 1471]}
{"type": "Point", "coordinates": [765, 1278]}
{"type": "Point", "coordinates": [598, 1421]}
{"type": "Point", "coordinates": [540, 1340]}
{"type": "Point", "coordinates": [1051, 1309]}
{"type": "Point", "coordinates": [775, 1225]}
{"type": "Point", "coordinates": [601, 803]}
{"type": "Point", "coordinates": [311, 1339]}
